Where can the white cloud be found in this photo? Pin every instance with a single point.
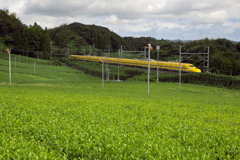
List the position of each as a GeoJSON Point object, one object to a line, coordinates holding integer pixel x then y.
{"type": "Point", "coordinates": [113, 19]}
{"type": "Point", "coordinates": [215, 17]}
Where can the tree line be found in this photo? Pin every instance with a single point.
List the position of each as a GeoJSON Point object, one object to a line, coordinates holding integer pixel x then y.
{"type": "Point", "coordinates": [224, 54]}
{"type": "Point", "coordinates": [15, 34]}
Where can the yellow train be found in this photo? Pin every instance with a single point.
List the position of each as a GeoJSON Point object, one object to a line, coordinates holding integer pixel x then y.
{"type": "Point", "coordinates": [173, 66]}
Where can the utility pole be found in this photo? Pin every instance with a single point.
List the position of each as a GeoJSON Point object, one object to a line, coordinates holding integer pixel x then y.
{"type": "Point", "coordinates": [208, 59]}
{"type": "Point", "coordinates": [121, 53]}
{"type": "Point", "coordinates": [90, 50]}
{"type": "Point", "coordinates": [91, 46]}
{"type": "Point", "coordinates": [180, 67]}
{"type": "Point", "coordinates": [102, 73]}
{"type": "Point", "coordinates": [158, 48]}
{"type": "Point", "coordinates": [34, 66]}
{"type": "Point", "coordinates": [118, 64]}
{"type": "Point", "coordinates": [149, 48]}
{"type": "Point", "coordinates": [180, 54]}
{"type": "Point", "coordinates": [10, 66]}
{"type": "Point", "coordinates": [68, 51]}
{"type": "Point", "coordinates": [107, 69]}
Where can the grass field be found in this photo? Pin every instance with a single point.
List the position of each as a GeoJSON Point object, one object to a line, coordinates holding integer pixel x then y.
{"type": "Point", "coordinates": [61, 113]}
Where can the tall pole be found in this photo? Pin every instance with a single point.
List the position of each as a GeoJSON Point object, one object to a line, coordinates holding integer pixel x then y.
{"type": "Point", "coordinates": [122, 53]}
{"type": "Point", "coordinates": [102, 74]}
{"type": "Point", "coordinates": [91, 46]}
{"type": "Point", "coordinates": [10, 67]}
{"type": "Point", "coordinates": [68, 51]}
{"type": "Point", "coordinates": [149, 48]}
{"type": "Point", "coordinates": [180, 67]}
{"type": "Point", "coordinates": [107, 69]}
{"type": "Point", "coordinates": [158, 48]}
{"type": "Point", "coordinates": [118, 64]}
{"type": "Point", "coordinates": [91, 51]}
{"type": "Point", "coordinates": [83, 49]}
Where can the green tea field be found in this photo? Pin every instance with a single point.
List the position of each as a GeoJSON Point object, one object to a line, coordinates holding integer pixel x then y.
{"type": "Point", "coordinates": [61, 113]}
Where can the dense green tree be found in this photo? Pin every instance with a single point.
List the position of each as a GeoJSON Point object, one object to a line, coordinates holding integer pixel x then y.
{"type": "Point", "coordinates": [45, 41]}
{"type": "Point", "coordinates": [34, 37]}
{"type": "Point", "coordinates": [238, 47]}
{"type": "Point", "coordinates": [10, 28]}
{"type": "Point", "coordinates": [78, 34]}
{"type": "Point", "coordinates": [25, 41]}
{"type": "Point", "coordinates": [63, 37]}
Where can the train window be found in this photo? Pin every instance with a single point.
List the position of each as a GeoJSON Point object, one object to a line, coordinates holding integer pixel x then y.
{"type": "Point", "coordinates": [191, 66]}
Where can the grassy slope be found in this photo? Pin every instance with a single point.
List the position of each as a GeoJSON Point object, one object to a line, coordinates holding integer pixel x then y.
{"type": "Point", "coordinates": [56, 114]}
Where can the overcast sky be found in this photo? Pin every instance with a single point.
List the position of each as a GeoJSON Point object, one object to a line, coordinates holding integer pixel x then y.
{"type": "Point", "coordinates": [167, 19]}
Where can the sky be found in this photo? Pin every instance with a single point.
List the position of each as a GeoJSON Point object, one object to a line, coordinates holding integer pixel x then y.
{"type": "Point", "coordinates": [167, 19]}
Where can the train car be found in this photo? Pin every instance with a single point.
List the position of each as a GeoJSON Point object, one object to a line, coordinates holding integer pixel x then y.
{"type": "Point", "coordinates": [173, 66]}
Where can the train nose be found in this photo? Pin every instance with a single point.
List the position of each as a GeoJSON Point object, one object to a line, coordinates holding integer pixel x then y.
{"type": "Point", "coordinates": [198, 70]}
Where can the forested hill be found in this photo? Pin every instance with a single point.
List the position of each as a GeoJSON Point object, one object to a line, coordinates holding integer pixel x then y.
{"type": "Point", "coordinates": [77, 34]}
{"type": "Point", "coordinates": [15, 34]}
{"type": "Point", "coordinates": [23, 39]}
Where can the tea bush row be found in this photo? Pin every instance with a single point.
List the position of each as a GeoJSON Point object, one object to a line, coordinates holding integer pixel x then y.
{"type": "Point", "coordinates": [68, 122]}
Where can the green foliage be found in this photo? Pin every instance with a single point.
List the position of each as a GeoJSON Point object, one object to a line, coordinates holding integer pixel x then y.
{"type": "Point", "coordinates": [224, 54]}
{"type": "Point", "coordinates": [10, 27]}
{"type": "Point", "coordinates": [78, 34]}
{"type": "Point", "coordinates": [14, 33]}
{"type": "Point", "coordinates": [78, 119]}
{"type": "Point", "coordinates": [48, 72]}
{"type": "Point", "coordinates": [140, 43]}
{"type": "Point", "coordinates": [63, 37]}
{"type": "Point", "coordinates": [95, 69]}
{"type": "Point", "coordinates": [208, 79]}
{"type": "Point", "coordinates": [37, 38]}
